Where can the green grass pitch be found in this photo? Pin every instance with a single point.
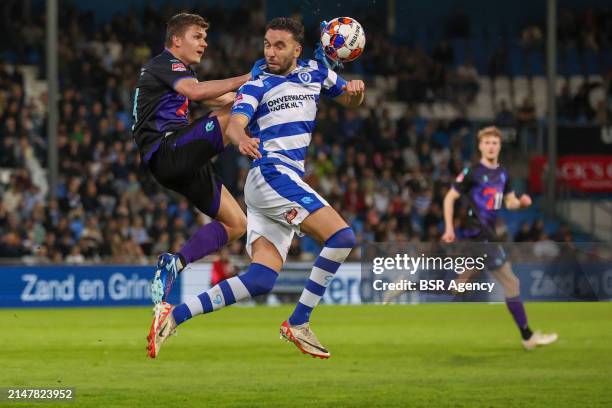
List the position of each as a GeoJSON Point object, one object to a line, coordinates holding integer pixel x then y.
{"type": "Point", "coordinates": [456, 355]}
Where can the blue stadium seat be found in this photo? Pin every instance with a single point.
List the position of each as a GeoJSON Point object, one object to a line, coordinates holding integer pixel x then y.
{"type": "Point", "coordinates": [535, 60]}
{"type": "Point", "coordinates": [459, 47]}
{"type": "Point", "coordinates": [480, 52]}
{"type": "Point", "coordinates": [572, 61]}
{"type": "Point", "coordinates": [590, 60]}
{"type": "Point", "coordinates": [516, 61]}
{"type": "Point", "coordinates": [607, 57]}
{"type": "Point", "coordinates": [421, 36]}
{"type": "Point", "coordinates": [551, 226]}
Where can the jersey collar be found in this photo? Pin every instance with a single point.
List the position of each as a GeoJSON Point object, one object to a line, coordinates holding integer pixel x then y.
{"type": "Point", "coordinates": [489, 167]}
{"type": "Point", "coordinates": [166, 50]}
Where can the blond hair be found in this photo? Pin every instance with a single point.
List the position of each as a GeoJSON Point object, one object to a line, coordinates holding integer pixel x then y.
{"type": "Point", "coordinates": [489, 131]}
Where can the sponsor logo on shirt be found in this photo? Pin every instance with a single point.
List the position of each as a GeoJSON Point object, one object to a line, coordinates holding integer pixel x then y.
{"type": "Point", "coordinates": [305, 77]}
{"type": "Point", "coordinates": [290, 102]}
{"type": "Point", "coordinates": [179, 66]}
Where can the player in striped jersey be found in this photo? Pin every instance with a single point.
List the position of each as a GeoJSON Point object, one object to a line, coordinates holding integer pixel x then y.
{"type": "Point", "coordinates": [279, 109]}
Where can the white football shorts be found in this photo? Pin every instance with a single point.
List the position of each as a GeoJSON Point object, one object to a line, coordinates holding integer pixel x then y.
{"type": "Point", "coordinates": [277, 200]}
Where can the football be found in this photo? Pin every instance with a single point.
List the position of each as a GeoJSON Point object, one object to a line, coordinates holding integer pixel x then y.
{"type": "Point", "coordinates": [343, 39]}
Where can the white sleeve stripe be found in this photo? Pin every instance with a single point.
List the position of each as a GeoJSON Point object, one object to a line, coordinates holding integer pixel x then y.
{"type": "Point", "coordinates": [331, 79]}
{"type": "Point", "coordinates": [313, 64]}
{"type": "Point", "coordinates": [249, 100]}
{"type": "Point", "coordinates": [258, 83]}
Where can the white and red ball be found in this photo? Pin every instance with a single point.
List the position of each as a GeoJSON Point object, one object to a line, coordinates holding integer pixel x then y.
{"type": "Point", "coordinates": [343, 39]}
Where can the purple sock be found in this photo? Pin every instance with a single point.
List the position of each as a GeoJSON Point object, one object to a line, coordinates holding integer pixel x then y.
{"type": "Point", "coordinates": [206, 240]}
{"type": "Point", "coordinates": [516, 308]}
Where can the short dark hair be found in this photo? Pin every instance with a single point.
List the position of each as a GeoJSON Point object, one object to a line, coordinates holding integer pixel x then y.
{"type": "Point", "coordinates": [179, 23]}
{"type": "Point", "coordinates": [288, 24]}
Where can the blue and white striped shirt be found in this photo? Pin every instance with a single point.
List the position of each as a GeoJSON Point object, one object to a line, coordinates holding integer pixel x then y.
{"type": "Point", "coordinates": [282, 111]}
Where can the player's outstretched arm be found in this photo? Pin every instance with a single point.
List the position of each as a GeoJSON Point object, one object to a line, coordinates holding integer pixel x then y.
{"type": "Point", "coordinates": [449, 210]}
{"type": "Point", "coordinates": [220, 101]}
{"type": "Point", "coordinates": [199, 91]}
{"type": "Point", "coordinates": [514, 203]}
{"type": "Point", "coordinates": [247, 146]}
{"type": "Point", "coordinates": [353, 95]}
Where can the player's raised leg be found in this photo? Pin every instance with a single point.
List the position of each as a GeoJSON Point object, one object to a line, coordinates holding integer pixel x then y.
{"type": "Point", "coordinates": [229, 224]}
{"type": "Point", "coordinates": [259, 279]}
{"type": "Point", "coordinates": [200, 142]}
{"type": "Point", "coordinates": [511, 285]}
{"type": "Point", "coordinates": [328, 227]}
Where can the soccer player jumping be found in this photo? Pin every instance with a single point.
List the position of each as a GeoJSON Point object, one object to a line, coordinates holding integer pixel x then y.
{"type": "Point", "coordinates": [178, 153]}
{"type": "Point", "coordinates": [485, 186]}
{"type": "Point", "coordinates": [279, 108]}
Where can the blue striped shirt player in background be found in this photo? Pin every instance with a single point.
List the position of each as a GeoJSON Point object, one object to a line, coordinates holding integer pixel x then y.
{"type": "Point", "coordinates": [278, 107]}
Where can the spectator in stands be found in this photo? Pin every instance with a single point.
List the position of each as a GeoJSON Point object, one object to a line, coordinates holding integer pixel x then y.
{"type": "Point", "coordinates": [601, 113]}
{"type": "Point", "coordinates": [466, 83]}
{"type": "Point", "coordinates": [11, 246]}
{"type": "Point", "coordinates": [222, 268]}
{"type": "Point", "coordinates": [443, 53]}
{"type": "Point", "coordinates": [562, 234]}
{"type": "Point", "coordinates": [565, 104]}
{"type": "Point", "coordinates": [582, 106]}
{"type": "Point", "coordinates": [524, 233]}
{"type": "Point", "coordinates": [499, 62]}
{"type": "Point", "coordinates": [504, 116]}
{"type": "Point", "coordinates": [531, 37]}
{"type": "Point", "coordinates": [526, 113]}
{"type": "Point", "coordinates": [380, 171]}
{"type": "Point", "coordinates": [537, 230]}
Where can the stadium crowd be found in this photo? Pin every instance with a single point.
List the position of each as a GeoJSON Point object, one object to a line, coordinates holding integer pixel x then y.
{"type": "Point", "coordinates": [386, 176]}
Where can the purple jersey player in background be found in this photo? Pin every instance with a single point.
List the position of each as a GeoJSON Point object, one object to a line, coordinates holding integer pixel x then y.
{"type": "Point", "coordinates": [486, 187]}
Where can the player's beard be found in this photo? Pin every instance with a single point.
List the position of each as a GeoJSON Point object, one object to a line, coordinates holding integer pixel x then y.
{"type": "Point", "coordinates": [283, 68]}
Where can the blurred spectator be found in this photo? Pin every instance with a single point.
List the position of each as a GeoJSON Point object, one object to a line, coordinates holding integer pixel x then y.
{"type": "Point", "coordinates": [466, 83]}
{"type": "Point", "coordinates": [382, 167]}
{"type": "Point", "coordinates": [531, 37]}
{"type": "Point", "coordinates": [526, 113]}
{"type": "Point", "coordinates": [504, 116]}
{"type": "Point", "coordinates": [524, 233]}
{"type": "Point", "coordinates": [222, 268]}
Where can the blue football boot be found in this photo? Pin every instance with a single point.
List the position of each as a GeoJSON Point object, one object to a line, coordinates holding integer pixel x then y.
{"type": "Point", "coordinates": [165, 276]}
